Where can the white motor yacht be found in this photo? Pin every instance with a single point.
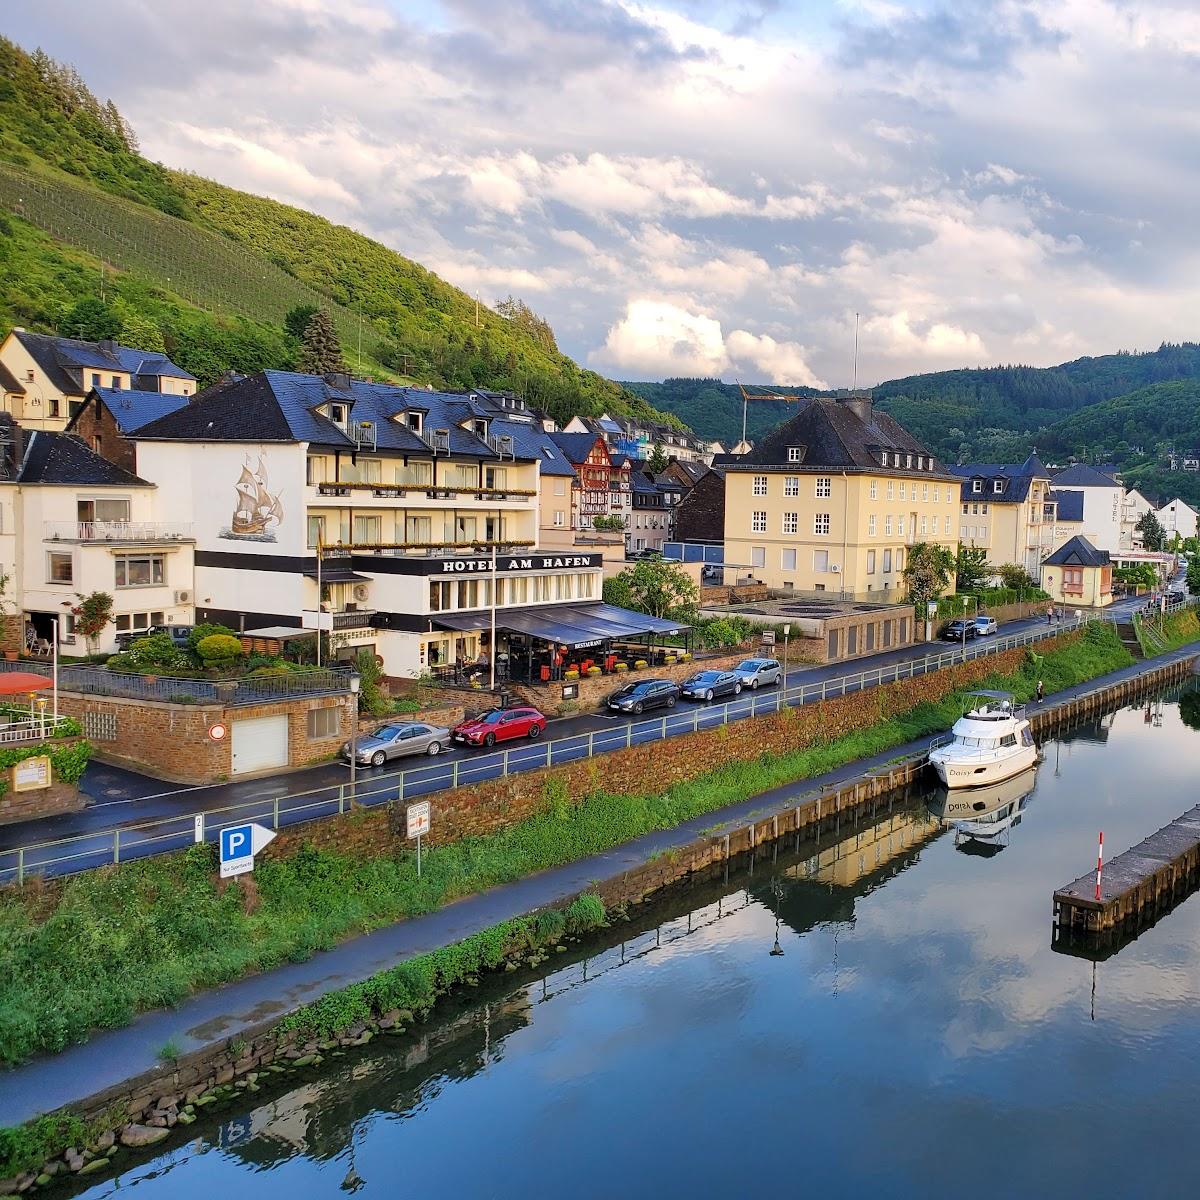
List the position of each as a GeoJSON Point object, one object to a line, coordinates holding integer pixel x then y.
{"type": "Point", "coordinates": [989, 743]}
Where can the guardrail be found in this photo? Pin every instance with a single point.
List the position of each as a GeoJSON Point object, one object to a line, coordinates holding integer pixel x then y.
{"type": "Point", "coordinates": [82, 852]}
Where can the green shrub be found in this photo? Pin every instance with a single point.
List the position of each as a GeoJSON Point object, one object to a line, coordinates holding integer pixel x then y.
{"type": "Point", "coordinates": [370, 695]}
{"type": "Point", "coordinates": [156, 652]}
{"type": "Point", "coordinates": [584, 913]}
{"type": "Point", "coordinates": [219, 650]}
{"type": "Point", "coordinates": [200, 632]}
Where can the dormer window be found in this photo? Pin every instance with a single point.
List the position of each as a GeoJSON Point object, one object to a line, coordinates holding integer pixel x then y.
{"type": "Point", "coordinates": [998, 486]}
{"type": "Point", "coordinates": [480, 427]}
{"type": "Point", "coordinates": [413, 421]}
{"type": "Point", "coordinates": [337, 414]}
{"type": "Point", "coordinates": [908, 461]}
{"type": "Point", "coordinates": [976, 486]}
{"type": "Point", "coordinates": [795, 454]}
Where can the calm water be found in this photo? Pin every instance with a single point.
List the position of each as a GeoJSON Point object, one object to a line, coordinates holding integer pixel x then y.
{"type": "Point", "coordinates": [918, 1036]}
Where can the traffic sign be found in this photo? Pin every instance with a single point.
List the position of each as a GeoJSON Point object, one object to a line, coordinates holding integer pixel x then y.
{"type": "Point", "coordinates": [217, 731]}
{"type": "Point", "coordinates": [418, 819]}
{"type": "Point", "coordinates": [768, 637]}
{"type": "Point", "coordinates": [239, 845]}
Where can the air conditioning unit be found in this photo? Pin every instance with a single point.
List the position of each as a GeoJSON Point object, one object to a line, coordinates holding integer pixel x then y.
{"type": "Point", "coordinates": [835, 569]}
{"type": "Point", "coordinates": [360, 591]}
{"type": "Point", "coordinates": [184, 596]}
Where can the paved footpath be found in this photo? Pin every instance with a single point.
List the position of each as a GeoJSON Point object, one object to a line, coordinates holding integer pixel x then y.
{"type": "Point", "coordinates": [113, 1056]}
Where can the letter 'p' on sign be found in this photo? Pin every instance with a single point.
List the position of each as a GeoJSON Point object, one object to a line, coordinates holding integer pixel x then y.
{"type": "Point", "coordinates": [239, 845]}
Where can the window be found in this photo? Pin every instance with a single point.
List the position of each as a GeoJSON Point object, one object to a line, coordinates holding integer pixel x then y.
{"type": "Point", "coordinates": [324, 723]}
{"type": "Point", "coordinates": [758, 556]}
{"type": "Point", "coordinates": [998, 486]}
{"type": "Point", "coordinates": [947, 526]}
{"type": "Point", "coordinates": [908, 462]}
{"type": "Point", "coordinates": [820, 523]}
{"type": "Point", "coordinates": [559, 518]}
{"type": "Point", "coordinates": [874, 489]}
{"type": "Point", "coordinates": [899, 526]}
{"type": "Point", "coordinates": [974, 510]}
{"type": "Point", "coordinates": [966, 509]}
{"type": "Point", "coordinates": [870, 562]}
{"type": "Point", "coordinates": [887, 526]}
{"type": "Point", "coordinates": [368, 529]}
{"type": "Point", "coordinates": [871, 525]}
{"type": "Point", "coordinates": [758, 521]}
{"type": "Point", "coordinates": [787, 560]}
{"type": "Point", "coordinates": [60, 568]}
{"type": "Point", "coordinates": [95, 378]}
{"type": "Point", "coordinates": [887, 560]}
{"type": "Point", "coordinates": [791, 522]}
{"type": "Point", "coordinates": [983, 509]}
{"type": "Point", "coordinates": [936, 493]}
{"type": "Point", "coordinates": [316, 532]}
{"type": "Point", "coordinates": [821, 562]}
{"type": "Point", "coordinates": [795, 454]}
{"type": "Point", "coordinates": [924, 491]}
{"type": "Point", "coordinates": [109, 508]}
{"type": "Point", "coordinates": [337, 414]}
{"type": "Point", "coordinates": [760, 485]}
{"type": "Point", "coordinates": [791, 485]}
{"type": "Point", "coordinates": [139, 570]}
{"type": "Point", "coordinates": [976, 486]}
{"type": "Point", "coordinates": [116, 382]}
{"type": "Point", "coordinates": [1072, 580]}
{"type": "Point", "coordinates": [899, 560]}
{"type": "Point", "coordinates": [824, 486]}
{"type": "Point", "coordinates": [925, 525]}
{"type": "Point", "coordinates": [137, 622]}
{"type": "Point", "coordinates": [891, 491]}
{"type": "Point", "coordinates": [903, 490]}
{"type": "Point", "coordinates": [560, 487]}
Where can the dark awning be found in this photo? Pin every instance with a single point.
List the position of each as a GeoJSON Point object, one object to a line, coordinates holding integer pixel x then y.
{"type": "Point", "coordinates": [565, 624]}
{"type": "Point", "coordinates": [337, 573]}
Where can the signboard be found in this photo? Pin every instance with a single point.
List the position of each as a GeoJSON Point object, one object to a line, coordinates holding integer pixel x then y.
{"type": "Point", "coordinates": [570, 691]}
{"type": "Point", "coordinates": [31, 774]}
{"type": "Point", "coordinates": [217, 731]}
{"type": "Point", "coordinates": [768, 637]}
{"type": "Point", "coordinates": [418, 819]}
{"type": "Point", "coordinates": [239, 845]}
{"type": "Point", "coordinates": [506, 564]}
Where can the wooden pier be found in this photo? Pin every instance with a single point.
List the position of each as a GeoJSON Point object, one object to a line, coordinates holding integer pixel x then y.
{"type": "Point", "coordinates": [1153, 875]}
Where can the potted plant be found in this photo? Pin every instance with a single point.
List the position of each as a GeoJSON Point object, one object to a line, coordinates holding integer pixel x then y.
{"type": "Point", "coordinates": [640, 665]}
{"type": "Point", "coordinates": [571, 674]}
{"type": "Point", "coordinates": [92, 615]}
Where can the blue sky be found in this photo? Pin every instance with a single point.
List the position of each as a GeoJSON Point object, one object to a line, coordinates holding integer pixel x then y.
{"type": "Point", "coordinates": [709, 186]}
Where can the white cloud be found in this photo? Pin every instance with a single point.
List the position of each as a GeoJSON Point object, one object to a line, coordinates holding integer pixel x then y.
{"type": "Point", "coordinates": [779, 362]}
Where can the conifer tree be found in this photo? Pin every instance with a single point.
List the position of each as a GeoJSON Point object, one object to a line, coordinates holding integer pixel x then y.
{"type": "Point", "coordinates": [321, 353]}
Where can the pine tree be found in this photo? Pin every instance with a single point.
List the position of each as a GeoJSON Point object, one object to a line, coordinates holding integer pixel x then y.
{"type": "Point", "coordinates": [321, 353]}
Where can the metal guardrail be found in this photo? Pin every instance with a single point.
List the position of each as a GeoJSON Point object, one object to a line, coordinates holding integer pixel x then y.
{"type": "Point", "coordinates": [117, 531]}
{"type": "Point", "coordinates": [82, 852]}
{"type": "Point", "coordinates": [31, 729]}
{"type": "Point", "coordinates": [99, 681]}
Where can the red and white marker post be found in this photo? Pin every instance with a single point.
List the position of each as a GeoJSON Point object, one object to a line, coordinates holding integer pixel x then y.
{"type": "Point", "coordinates": [1099, 864]}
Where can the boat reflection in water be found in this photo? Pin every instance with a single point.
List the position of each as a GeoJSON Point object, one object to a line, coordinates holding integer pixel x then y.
{"type": "Point", "coordinates": [984, 817]}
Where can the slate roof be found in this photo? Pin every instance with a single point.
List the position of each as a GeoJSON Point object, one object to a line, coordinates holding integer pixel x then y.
{"type": "Point", "coordinates": [531, 441]}
{"type": "Point", "coordinates": [1016, 479]}
{"type": "Point", "coordinates": [9, 382]}
{"type": "Point", "coordinates": [1081, 475]}
{"type": "Point", "coordinates": [283, 406]}
{"type": "Point", "coordinates": [575, 446]}
{"type": "Point", "coordinates": [131, 408]}
{"type": "Point", "coordinates": [834, 436]}
{"type": "Point", "coordinates": [641, 482]}
{"type": "Point", "coordinates": [59, 356]}
{"type": "Point", "coordinates": [692, 469]}
{"type": "Point", "coordinates": [62, 459]}
{"type": "Point", "coordinates": [1070, 505]}
{"type": "Point", "coordinates": [1077, 552]}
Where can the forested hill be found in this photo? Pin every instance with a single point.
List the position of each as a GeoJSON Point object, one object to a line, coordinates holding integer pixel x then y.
{"type": "Point", "coordinates": [212, 272]}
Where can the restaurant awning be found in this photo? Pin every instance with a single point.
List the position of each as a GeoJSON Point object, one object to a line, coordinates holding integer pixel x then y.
{"type": "Point", "coordinates": [16, 683]}
{"type": "Point", "coordinates": [571, 625]}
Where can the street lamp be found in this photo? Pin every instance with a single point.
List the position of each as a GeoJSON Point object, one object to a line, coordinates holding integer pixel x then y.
{"type": "Point", "coordinates": [776, 950]}
{"type": "Point", "coordinates": [787, 633]}
{"type": "Point", "coordinates": [975, 600]}
{"type": "Point", "coordinates": [355, 685]}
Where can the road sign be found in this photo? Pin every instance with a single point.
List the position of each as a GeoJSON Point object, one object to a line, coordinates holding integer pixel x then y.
{"type": "Point", "coordinates": [418, 819]}
{"type": "Point", "coordinates": [217, 732]}
{"type": "Point", "coordinates": [768, 637]}
{"type": "Point", "coordinates": [239, 845]}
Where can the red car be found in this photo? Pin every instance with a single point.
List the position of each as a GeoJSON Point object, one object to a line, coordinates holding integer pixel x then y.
{"type": "Point", "coordinates": [499, 725]}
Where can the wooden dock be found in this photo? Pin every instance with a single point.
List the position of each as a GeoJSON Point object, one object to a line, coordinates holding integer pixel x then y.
{"type": "Point", "coordinates": [1151, 876]}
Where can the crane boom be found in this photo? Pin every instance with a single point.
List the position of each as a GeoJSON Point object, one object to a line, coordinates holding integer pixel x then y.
{"type": "Point", "coordinates": [748, 396]}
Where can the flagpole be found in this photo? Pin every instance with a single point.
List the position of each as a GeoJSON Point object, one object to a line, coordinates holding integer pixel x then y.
{"type": "Point", "coordinates": [320, 548]}
{"type": "Point", "coordinates": [492, 654]}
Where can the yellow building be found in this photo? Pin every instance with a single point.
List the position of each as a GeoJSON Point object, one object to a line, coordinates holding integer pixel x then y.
{"type": "Point", "coordinates": [833, 499]}
{"type": "Point", "coordinates": [45, 378]}
{"type": "Point", "coordinates": [1078, 575]}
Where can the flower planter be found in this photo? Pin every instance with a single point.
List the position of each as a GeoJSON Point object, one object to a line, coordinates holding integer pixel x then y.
{"type": "Point", "coordinates": [571, 675]}
{"type": "Point", "coordinates": [640, 665]}
{"type": "Point", "coordinates": [10, 655]}
{"type": "Point", "coordinates": [621, 666]}
{"type": "Point", "coordinates": [593, 672]}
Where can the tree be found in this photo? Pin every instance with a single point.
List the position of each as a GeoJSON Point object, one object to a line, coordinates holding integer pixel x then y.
{"type": "Point", "coordinates": [656, 587]}
{"type": "Point", "coordinates": [657, 463]}
{"type": "Point", "coordinates": [1016, 577]}
{"type": "Point", "coordinates": [1153, 534]}
{"type": "Point", "coordinates": [297, 319]}
{"type": "Point", "coordinates": [141, 333]}
{"type": "Point", "coordinates": [91, 320]}
{"type": "Point", "coordinates": [92, 615]}
{"type": "Point", "coordinates": [1193, 576]}
{"type": "Point", "coordinates": [927, 571]}
{"type": "Point", "coordinates": [973, 569]}
{"type": "Point", "coordinates": [321, 353]}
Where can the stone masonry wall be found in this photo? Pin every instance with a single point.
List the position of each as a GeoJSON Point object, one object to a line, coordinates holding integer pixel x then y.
{"type": "Point", "coordinates": [44, 802]}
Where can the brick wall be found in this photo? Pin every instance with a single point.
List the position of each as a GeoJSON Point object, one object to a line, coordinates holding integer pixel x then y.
{"type": "Point", "coordinates": [45, 802]}
{"type": "Point", "coordinates": [171, 741]}
{"type": "Point", "coordinates": [96, 422]}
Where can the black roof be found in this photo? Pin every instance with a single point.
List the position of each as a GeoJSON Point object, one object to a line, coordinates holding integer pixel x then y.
{"type": "Point", "coordinates": [837, 435]}
{"type": "Point", "coordinates": [1081, 475]}
{"type": "Point", "coordinates": [9, 382]}
{"type": "Point", "coordinates": [63, 459]}
{"type": "Point", "coordinates": [59, 356]}
{"type": "Point", "coordinates": [576, 446]}
{"type": "Point", "coordinates": [1077, 552]}
{"type": "Point", "coordinates": [1070, 505]}
{"type": "Point", "coordinates": [1014, 478]}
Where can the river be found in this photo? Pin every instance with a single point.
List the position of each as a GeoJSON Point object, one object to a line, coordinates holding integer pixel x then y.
{"type": "Point", "coordinates": [917, 1036]}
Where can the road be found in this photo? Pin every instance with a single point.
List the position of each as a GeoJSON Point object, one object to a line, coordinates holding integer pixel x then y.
{"type": "Point", "coordinates": [132, 815]}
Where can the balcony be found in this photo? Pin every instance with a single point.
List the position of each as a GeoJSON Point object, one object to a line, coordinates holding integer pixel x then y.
{"type": "Point", "coordinates": [358, 618]}
{"type": "Point", "coordinates": [118, 531]}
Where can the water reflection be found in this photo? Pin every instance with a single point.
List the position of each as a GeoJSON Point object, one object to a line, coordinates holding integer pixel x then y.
{"type": "Point", "coordinates": [912, 981]}
{"type": "Point", "coordinates": [983, 818]}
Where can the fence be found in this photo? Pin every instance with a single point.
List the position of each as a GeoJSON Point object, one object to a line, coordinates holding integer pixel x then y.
{"type": "Point", "coordinates": [64, 856]}
{"type": "Point", "coordinates": [255, 689]}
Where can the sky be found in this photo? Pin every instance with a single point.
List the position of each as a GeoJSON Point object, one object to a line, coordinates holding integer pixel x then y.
{"type": "Point", "coordinates": [709, 187]}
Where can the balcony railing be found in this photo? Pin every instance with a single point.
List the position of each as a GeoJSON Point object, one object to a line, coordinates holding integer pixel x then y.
{"type": "Point", "coordinates": [440, 492]}
{"type": "Point", "coordinates": [359, 618]}
{"type": "Point", "coordinates": [118, 531]}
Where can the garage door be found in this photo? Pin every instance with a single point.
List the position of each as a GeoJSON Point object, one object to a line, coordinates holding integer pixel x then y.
{"type": "Point", "coordinates": [260, 744]}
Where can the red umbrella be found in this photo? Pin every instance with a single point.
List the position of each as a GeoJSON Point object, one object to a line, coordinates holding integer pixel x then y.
{"type": "Point", "coordinates": [15, 683]}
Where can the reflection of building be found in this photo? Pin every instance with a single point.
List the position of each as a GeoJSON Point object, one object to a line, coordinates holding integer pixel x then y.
{"type": "Point", "coordinates": [866, 849]}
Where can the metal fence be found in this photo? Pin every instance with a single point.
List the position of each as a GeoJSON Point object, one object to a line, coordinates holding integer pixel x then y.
{"type": "Point", "coordinates": [99, 681]}
{"type": "Point", "coordinates": [64, 856]}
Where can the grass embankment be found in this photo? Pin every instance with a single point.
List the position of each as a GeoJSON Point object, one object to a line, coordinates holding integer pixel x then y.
{"type": "Point", "coordinates": [1159, 636]}
{"type": "Point", "coordinates": [148, 933]}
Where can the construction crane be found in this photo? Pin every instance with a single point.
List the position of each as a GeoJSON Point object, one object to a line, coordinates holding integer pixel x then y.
{"type": "Point", "coordinates": [748, 396]}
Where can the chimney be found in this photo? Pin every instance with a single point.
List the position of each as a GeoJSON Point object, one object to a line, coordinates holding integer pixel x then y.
{"type": "Point", "coordinates": [860, 405]}
{"type": "Point", "coordinates": [338, 380]}
{"type": "Point", "coordinates": [108, 345]}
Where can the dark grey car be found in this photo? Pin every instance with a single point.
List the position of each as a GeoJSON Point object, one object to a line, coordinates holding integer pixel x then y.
{"type": "Point", "coordinates": [397, 740]}
{"type": "Point", "coordinates": [648, 693]}
{"type": "Point", "coordinates": [705, 685]}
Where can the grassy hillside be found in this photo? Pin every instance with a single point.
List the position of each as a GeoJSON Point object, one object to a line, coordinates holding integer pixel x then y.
{"type": "Point", "coordinates": [70, 166]}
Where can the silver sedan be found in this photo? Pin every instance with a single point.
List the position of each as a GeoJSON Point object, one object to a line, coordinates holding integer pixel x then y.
{"type": "Point", "coordinates": [396, 740]}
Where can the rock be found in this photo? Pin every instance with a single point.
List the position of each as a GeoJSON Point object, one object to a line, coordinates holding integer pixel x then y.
{"type": "Point", "coordinates": [389, 1019]}
{"type": "Point", "coordinates": [305, 1060]}
{"type": "Point", "coordinates": [156, 1122]}
{"type": "Point", "coordinates": [8, 1187]}
{"type": "Point", "coordinates": [25, 1181]}
{"type": "Point", "coordinates": [105, 1140]}
{"type": "Point", "coordinates": [73, 1159]}
{"type": "Point", "coordinates": [112, 1151]}
{"type": "Point", "coordinates": [53, 1168]}
{"type": "Point", "coordinates": [43, 1179]}
{"type": "Point", "coordinates": [142, 1135]}
{"type": "Point", "coordinates": [98, 1164]}
{"type": "Point", "coordinates": [207, 1098]}
{"type": "Point", "coordinates": [405, 1015]}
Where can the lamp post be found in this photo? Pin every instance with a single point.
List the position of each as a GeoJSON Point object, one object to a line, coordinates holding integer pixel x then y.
{"type": "Point", "coordinates": [975, 599]}
{"type": "Point", "coordinates": [355, 685]}
{"type": "Point", "coordinates": [776, 950]}
{"type": "Point", "coordinates": [787, 633]}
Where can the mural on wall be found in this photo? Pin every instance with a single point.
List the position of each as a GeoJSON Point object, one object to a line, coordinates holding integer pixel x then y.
{"type": "Point", "coordinates": [258, 511]}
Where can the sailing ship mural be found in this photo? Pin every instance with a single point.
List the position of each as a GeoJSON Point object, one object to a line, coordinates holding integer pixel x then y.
{"type": "Point", "coordinates": [258, 511]}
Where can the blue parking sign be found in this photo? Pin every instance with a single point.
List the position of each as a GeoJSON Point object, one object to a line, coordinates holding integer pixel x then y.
{"type": "Point", "coordinates": [236, 842]}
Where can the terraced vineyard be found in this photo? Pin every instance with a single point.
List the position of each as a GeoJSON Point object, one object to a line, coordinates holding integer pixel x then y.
{"type": "Point", "coordinates": [203, 268]}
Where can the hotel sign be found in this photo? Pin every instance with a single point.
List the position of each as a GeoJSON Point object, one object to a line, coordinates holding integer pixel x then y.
{"type": "Point", "coordinates": [509, 563]}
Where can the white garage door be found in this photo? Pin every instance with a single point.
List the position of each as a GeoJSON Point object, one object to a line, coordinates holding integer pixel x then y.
{"type": "Point", "coordinates": [260, 744]}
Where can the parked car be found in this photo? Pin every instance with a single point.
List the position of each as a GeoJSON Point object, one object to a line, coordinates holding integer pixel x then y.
{"type": "Point", "coordinates": [396, 740]}
{"type": "Point", "coordinates": [985, 626]}
{"type": "Point", "coordinates": [179, 634]}
{"type": "Point", "coordinates": [757, 672]}
{"type": "Point", "coordinates": [1176, 596]}
{"type": "Point", "coordinates": [704, 685]}
{"type": "Point", "coordinates": [712, 574]}
{"type": "Point", "coordinates": [499, 725]}
{"type": "Point", "coordinates": [646, 693]}
{"type": "Point", "coordinates": [959, 630]}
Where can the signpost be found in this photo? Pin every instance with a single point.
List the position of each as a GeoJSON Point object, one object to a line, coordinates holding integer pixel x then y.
{"type": "Point", "coordinates": [239, 845]}
{"type": "Point", "coordinates": [418, 816]}
{"type": "Point", "coordinates": [768, 637]}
